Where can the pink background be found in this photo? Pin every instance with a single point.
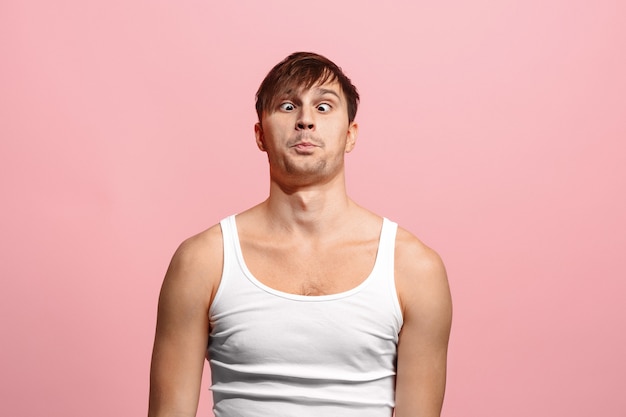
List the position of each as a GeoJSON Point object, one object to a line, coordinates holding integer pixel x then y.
{"type": "Point", "coordinates": [494, 130]}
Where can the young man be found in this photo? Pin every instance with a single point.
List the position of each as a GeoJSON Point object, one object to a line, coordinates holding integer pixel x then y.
{"type": "Point", "coordinates": [309, 304]}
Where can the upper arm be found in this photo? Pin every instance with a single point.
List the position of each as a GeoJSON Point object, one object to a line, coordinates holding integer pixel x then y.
{"type": "Point", "coordinates": [183, 325]}
{"type": "Point", "coordinates": [422, 348]}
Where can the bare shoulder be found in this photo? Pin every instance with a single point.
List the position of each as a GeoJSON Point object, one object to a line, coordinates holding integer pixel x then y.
{"type": "Point", "coordinates": [201, 248]}
{"type": "Point", "coordinates": [196, 266]}
{"type": "Point", "coordinates": [420, 275]}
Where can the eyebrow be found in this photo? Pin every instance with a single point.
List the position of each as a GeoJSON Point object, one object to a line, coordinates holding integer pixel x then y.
{"type": "Point", "coordinates": [323, 91]}
{"type": "Point", "coordinates": [289, 93]}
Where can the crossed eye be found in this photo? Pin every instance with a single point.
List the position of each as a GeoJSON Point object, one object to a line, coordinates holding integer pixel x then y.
{"type": "Point", "coordinates": [323, 108]}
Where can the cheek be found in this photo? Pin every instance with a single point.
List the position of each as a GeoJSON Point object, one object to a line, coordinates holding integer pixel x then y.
{"type": "Point", "coordinates": [276, 128]}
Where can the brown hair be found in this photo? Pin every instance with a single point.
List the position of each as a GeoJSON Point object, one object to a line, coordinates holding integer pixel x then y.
{"type": "Point", "coordinates": [303, 70]}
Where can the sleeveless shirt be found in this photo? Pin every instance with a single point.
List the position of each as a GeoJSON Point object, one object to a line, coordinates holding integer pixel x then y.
{"type": "Point", "coordinates": [278, 354]}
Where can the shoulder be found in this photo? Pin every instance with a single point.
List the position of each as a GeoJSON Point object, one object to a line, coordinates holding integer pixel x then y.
{"type": "Point", "coordinates": [420, 276]}
{"type": "Point", "coordinates": [202, 248]}
{"type": "Point", "coordinates": [412, 255]}
{"type": "Point", "coordinates": [196, 266]}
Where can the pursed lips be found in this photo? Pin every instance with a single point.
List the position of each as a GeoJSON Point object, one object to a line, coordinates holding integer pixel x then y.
{"type": "Point", "coordinates": [304, 143]}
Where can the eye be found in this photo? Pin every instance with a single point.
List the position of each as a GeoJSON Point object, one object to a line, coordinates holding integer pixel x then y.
{"type": "Point", "coordinates": [287, 106]}
{"type": "Point", "coordinates": [324, 107]}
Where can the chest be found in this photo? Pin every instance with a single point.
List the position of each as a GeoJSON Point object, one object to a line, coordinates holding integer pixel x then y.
{"type": "Point", "coordinates": [310, 268]}
{"type": "Point", "coordinates": [348, 332]}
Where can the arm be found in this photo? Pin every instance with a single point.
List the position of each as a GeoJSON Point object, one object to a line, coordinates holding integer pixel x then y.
{"type": "Point", "coordinates": [423, 344]}
{"type": "Point", "coordinates": [182, 330]}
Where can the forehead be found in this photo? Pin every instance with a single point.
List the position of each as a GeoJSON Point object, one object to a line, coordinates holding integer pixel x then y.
{"type": "Point", "coordinates": [328, 87]}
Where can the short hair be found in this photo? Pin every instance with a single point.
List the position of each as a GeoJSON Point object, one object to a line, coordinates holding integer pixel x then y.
{"type": "Point", "coordinates": [303, 70]}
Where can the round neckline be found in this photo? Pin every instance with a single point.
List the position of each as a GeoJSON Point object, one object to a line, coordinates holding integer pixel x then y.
{"type": "Point", "coordinates": [299, 297]}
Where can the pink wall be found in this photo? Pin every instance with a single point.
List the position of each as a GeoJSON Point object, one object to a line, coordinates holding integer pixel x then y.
{"type": "Point", "coordinates": [495, 131]}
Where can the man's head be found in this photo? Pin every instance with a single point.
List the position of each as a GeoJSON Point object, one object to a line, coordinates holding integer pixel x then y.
{"type": "Point", "coordinates": [303, 70]}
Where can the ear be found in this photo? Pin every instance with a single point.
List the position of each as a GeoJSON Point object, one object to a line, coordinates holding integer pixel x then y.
{"type": "Point", "coordinates": [353, 131]}
{"type": "Point", "coordinates": [258, 134]}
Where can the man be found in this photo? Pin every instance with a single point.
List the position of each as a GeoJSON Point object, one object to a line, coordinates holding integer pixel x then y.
{"type": "Point", "coordinates": [310, 305]}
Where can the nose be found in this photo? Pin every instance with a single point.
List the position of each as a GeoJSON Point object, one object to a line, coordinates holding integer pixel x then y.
{"type": "Point", "coordinates": [305, 120]}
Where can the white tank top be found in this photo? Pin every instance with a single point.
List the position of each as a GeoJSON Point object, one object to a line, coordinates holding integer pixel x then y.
{"type": "Point", "coordinates": [275, 354]}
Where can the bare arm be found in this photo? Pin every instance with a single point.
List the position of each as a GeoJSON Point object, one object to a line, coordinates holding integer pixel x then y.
{"type": "Point", "coordinates": [422, 349]}
{"type": "Point", "coordinates": [183, 326]}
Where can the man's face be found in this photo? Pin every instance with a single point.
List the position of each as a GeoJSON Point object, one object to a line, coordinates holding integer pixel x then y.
{"type": "Point", "coordinates": [307, 134]}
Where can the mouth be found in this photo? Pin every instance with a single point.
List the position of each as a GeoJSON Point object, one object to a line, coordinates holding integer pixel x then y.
{"type": "Point", "coordinates": [304, 147]}
{"type": "Point", "coordinates": [304, 141]}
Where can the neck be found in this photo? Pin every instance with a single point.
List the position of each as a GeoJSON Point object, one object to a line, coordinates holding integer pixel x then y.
{"type": "Point", "coordinates": [309, 208]}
